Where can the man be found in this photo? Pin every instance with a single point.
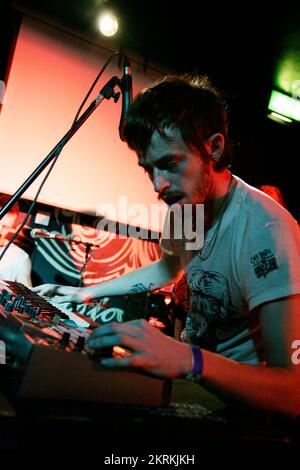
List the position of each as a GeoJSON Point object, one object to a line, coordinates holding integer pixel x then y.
{"type": "Point", "coordinates": [244, 281]}
{"type": "Point", "coordinates": [15, 264]}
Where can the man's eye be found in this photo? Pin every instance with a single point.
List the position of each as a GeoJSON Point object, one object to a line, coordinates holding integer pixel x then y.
{"type": "Point", "coordinates": [171, 165]}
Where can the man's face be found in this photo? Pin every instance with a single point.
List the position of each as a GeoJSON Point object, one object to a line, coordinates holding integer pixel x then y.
{"type": "Point", "coordinates": [178, 174]}
{"type": "Point", "coordinates": [7, 223]}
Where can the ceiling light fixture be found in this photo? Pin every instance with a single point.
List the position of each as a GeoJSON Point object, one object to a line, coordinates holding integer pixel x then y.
{"type": "Point", "coordinates": [108, 24]}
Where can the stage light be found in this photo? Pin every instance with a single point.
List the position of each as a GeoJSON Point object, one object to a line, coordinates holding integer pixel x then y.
{"type": "Point", "coordinates": [108, 24]}
{"type": "Point", "coordinates": [286, 107]}
{"type": "Point", "coordinates": [279, 118]}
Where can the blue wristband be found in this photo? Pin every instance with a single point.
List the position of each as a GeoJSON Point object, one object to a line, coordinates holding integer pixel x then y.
{"type": "Point", "coordinates": [198, 360]}
{"type": "Point", "coordinates": [197, 369]}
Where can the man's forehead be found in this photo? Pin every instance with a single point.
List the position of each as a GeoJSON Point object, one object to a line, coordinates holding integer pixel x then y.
{"type": "Point", "coordinates": [162, 146]}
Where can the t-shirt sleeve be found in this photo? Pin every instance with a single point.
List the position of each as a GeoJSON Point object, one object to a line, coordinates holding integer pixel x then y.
{"type": "Point", "coordinates": [269, 263]}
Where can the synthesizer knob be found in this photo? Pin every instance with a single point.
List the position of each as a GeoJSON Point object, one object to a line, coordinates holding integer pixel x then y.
{"type": "Point", "coordinates": [27, 308]}
{"type": "Point", "coordinates": [9, 307]}
{"type": "Point", "coordinates": [80, 343]}
{"type": "Point", "coordinates": [65, 339]}
{"type": "Point", "coordinates": [20, 303]}
{"type": "Point", "coordinates": [35, 312]}
{"type": "Point", "coordinates": [5, 297]}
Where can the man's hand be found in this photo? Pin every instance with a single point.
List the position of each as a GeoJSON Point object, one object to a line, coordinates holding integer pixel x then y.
{"type": "Point", "coordinates": [62, 294]}
{"type": "Point", "coordinates": [151, 350]}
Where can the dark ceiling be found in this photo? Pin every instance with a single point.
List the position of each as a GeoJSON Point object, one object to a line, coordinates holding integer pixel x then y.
{"type": "Point", "coordinates": [240, 46]}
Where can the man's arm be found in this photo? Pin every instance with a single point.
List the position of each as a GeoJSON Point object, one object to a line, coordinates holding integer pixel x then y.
{"type": "Point", "coordinates": [148, 278]}
{"type": "Point", "coordinates": [271, 387]}
{"type": "Point", "coordinates": [274, 386]}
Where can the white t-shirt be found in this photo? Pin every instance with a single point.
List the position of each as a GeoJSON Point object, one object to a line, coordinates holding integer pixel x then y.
{"type": "Point", "coordinates": [12, 262]}
{"type": "Point", "coordinates": [255, 259]}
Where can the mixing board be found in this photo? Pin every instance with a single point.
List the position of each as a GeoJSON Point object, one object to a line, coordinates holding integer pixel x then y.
{"type": "Point", "coordinates": [50, 359]}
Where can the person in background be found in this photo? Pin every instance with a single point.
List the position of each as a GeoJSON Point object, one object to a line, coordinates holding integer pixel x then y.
{"type": "Point", "coordinates": [181, 301]}
{"type": "Point", "coordinates": [15, 264]}
{"type": "Point", "coordinates": [274, 192]}
{"type": "Point", "coordinates": [244, 281]}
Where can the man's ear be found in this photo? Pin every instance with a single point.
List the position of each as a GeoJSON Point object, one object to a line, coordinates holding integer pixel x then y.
{"type": "Point", "coordinates": [215, 146]}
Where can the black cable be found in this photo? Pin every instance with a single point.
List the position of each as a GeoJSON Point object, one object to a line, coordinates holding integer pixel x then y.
{"type": "Point", "coordinates": [94, 84]}
{"type": "Point", "coordinates": [30, 208]}
{"type": "Point", "coordinates": [55, 159]}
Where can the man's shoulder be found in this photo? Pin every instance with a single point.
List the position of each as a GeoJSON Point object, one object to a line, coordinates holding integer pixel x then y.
{"type": "Point", "coordinates": [260, 209]}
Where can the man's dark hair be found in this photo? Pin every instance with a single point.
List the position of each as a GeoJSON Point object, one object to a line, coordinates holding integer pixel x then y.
{"type": "Point", "coordinates": [187, 102]}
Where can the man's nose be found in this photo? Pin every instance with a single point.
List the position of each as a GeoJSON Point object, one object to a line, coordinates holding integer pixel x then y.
{"type": "Point", "coordinates": [159, 182]}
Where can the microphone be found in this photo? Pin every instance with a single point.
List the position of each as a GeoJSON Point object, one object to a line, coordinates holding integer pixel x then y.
{"type": "Point", "coordinates": [126, 89]}
{"type": "Point", "coordinates": [40, 233]}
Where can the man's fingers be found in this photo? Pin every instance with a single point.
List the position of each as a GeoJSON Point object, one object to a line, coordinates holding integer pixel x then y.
{"type": "Point", "coordinates": [135, 361]}
{"type": "Point", "coordinates": [46, 289]}
{"type": "Point", "coordinates": [61, 299]}
{"type": "Point", "coordinates": [58, 292]}
{"type": "Point", "coordinates": [38, 289]}
{"type": "Point", "coordinates": [131, 328]}
{"type": "Point", "coordinates": [107, 341]}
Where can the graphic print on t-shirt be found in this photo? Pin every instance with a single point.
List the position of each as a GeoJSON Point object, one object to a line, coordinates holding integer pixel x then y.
{"type": "Point", "coordinates": [263, 263]}
{"type": "Point", "coordinates": [210, 305]}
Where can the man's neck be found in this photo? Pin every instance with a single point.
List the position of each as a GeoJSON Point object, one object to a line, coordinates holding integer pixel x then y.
{"type": "Point", "coordinates": [220, 195]}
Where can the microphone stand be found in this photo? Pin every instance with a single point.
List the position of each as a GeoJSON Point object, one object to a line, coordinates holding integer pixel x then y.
{"type": "Point", "coordinates": [106, 92]}
{"type": "Point", "coordinates": [88, 250]}
{"type": "Point", "coordinates": [88, 247]}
